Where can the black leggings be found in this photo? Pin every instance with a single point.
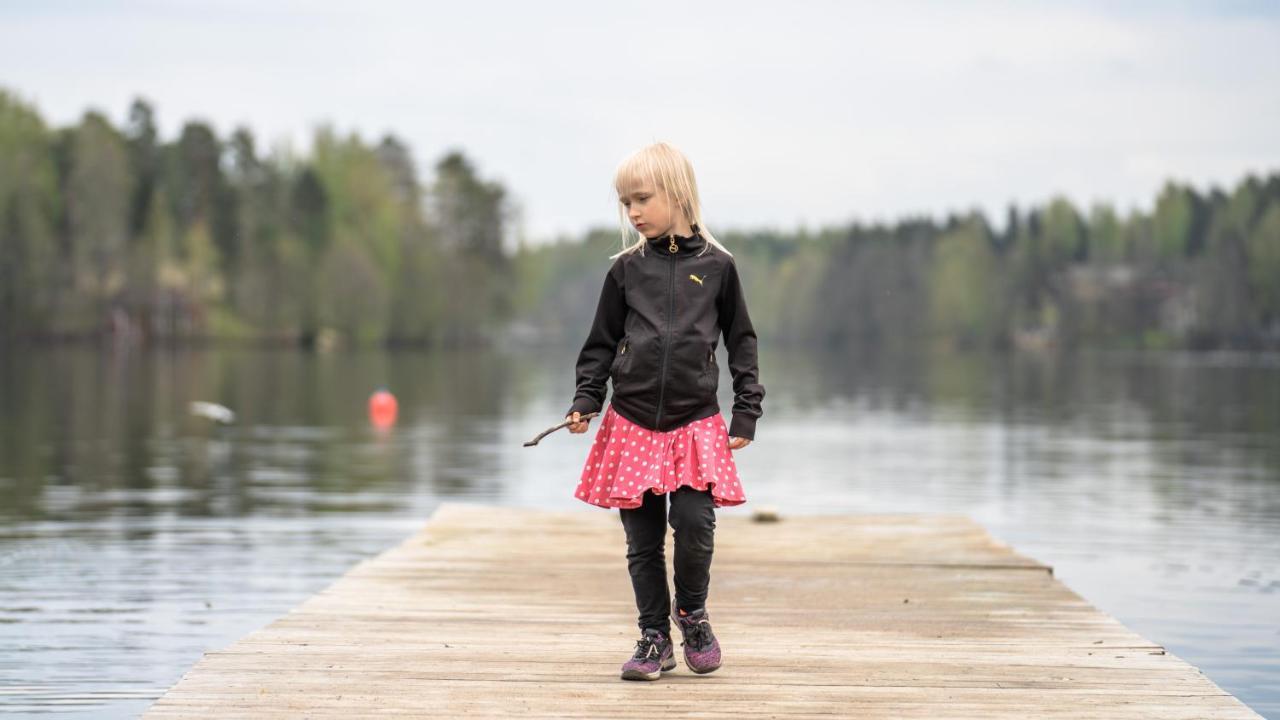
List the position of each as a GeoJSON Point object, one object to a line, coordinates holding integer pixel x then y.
{"type": "Point", "coordinates": [693, 521]}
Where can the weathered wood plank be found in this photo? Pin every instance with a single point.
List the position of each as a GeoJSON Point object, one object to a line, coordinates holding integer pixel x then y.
{"type": "Point", "coordinates": [499, 611]}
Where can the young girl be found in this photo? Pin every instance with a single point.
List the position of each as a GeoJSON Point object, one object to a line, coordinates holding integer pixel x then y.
{"type": "Point", "coordinates": [667, 298]}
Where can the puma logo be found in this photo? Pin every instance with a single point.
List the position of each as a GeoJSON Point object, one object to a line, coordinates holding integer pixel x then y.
{"type": "Point", "coordinates": [695, 278]}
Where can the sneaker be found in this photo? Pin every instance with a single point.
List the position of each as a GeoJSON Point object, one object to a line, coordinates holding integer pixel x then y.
{"type": "Point", "coordinates": [701, 649]}
{"type": "Point", "coordinates": [653, 654]}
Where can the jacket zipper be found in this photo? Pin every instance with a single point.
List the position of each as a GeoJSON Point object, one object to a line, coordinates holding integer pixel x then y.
{"type": "Point", "coordinates": [666, 350]}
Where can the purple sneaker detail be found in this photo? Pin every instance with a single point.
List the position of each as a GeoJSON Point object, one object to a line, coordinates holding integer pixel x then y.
{"type": "Point", "coordinates": [701, 649]}
{"type": "Point", "coordinates": [654, 653]}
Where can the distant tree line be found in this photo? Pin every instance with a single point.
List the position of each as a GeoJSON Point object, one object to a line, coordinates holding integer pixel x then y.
{"type": "Point", "coordinates": [1201, 270]}
{"type": "Point", "coordinates": [108, 231]}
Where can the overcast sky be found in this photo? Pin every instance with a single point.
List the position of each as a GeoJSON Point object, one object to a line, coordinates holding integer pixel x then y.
{"type": "Point", "coordinates": [805, 112]}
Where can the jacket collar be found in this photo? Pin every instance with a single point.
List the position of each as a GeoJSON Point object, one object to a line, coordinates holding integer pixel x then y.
{"type": "Point", "coordinates": [686, 244]}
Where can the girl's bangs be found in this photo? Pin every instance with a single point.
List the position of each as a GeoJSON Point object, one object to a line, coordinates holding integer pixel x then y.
{"type": "Point", "coordinates": [636, 172]}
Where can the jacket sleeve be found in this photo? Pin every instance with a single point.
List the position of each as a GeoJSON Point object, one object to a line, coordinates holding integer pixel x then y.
{"type": "Point", "coordinates": [740, 342]}
{"type": "Point", "coordinates": [597, 353]}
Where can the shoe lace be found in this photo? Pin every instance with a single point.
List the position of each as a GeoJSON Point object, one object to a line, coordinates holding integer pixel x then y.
{"type": "Point", "coordinates": [698, 635]}
{"type": "Point", "coordinates": [645, 647]}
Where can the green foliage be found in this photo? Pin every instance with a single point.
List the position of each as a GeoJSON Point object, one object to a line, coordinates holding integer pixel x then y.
{"type": "Point", "coordinates": [469, 217]}
{"type": "Point", "coordinates": [354, 302]}
{"type": "Point", "coordinates": [98, 198]}
{"type": "Point", "coordinates": [966, 291]}
{"type": "Point", "coordinates": [1064, 233]}
{"type": "Point", "coordinates": [29, 209]}
{"type": "Point", "coordinates": [1106, 240]}
{"type": "Point", "coordinates": [358, 198]}
{"type": "Point", "coordinates": [1264, 266]}
{"type": "Point", "coordinates": [1176, 221]}
{"type": "Point", "coordinates": [469, 212]}
{"type": "Point", "coordinates": [204, 236]}
{"type": "Point", "coordinates": [1051, 277]}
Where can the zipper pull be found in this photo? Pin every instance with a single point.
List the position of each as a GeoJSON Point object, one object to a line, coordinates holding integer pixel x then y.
{"type": "Point", "coordinates": [673, 247]}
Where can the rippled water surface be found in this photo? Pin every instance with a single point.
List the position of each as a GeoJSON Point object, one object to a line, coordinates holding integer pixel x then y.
{"type": "Point", "coordinates": [134, 536]}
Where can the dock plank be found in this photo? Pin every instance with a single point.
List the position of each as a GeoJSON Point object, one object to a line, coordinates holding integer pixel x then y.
{"type": "Point", "coordinates": [494, 611]}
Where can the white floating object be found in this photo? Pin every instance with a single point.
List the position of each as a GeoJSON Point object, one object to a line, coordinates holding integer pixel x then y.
{"type": "Point", "coordinates": [213, 411]}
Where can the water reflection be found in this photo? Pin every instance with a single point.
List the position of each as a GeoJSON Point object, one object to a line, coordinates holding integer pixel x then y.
{"type": "Point", "coordinates": [134, 536]}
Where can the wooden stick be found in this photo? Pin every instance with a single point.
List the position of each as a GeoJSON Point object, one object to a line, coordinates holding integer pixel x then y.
{"type": "Point", "coordinates": [553, 428]}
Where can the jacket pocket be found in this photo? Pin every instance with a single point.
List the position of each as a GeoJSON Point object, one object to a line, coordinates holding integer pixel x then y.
{"type": "Point", "coordinates": [709, 379]}
{"type": "Point", "coordinates": [620, 361]}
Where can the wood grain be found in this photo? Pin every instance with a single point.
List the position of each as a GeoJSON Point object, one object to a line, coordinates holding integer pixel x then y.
{"type": "Point", "coordinates": [500, 611]}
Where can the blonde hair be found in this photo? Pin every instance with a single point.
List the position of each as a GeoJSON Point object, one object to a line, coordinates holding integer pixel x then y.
{"type": "Point", "coordinates": [667, 170]}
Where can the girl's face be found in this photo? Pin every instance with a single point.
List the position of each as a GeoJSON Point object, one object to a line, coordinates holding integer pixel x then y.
{"type": "Point", "coordinates": [651, 214]}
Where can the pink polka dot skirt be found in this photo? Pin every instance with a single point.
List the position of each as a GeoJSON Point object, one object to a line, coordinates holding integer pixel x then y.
{"type": "Point", "coordinates": [626, 460]}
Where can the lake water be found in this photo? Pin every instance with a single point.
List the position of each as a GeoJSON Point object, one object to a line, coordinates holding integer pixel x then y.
{"type": "Point", "coordinates": [135, 536]}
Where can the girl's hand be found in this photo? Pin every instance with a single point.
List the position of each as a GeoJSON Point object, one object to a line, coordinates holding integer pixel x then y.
{"type": "Point", "coordinates": [737, 443]}
{"type": "Point", "coordinates": [578, 426]}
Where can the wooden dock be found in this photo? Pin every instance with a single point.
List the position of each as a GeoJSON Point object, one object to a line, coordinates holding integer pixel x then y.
{"type": "Point", "coordinates": [496, 611]}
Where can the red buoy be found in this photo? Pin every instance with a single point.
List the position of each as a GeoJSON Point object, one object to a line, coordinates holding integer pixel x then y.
{"type": "Point", "coordinates": [383, 409]}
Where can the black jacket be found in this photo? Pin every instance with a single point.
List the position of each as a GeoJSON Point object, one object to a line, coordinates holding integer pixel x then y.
{"type": "Point", "coordinates": [656, 328]}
